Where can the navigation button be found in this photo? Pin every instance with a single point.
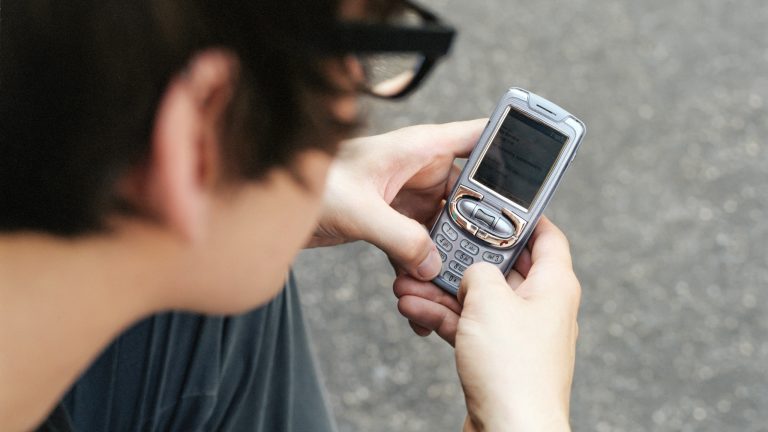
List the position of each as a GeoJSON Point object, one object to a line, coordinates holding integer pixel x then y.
{"type": "Point", "coordinates": [485, 218]}
{"type": "Point", "coordinates": [503, 228]}
{"type": "Point", "coordinates": [467, 207]}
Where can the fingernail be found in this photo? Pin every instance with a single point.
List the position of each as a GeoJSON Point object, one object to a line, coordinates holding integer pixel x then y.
{"type": "Point", "coordinates": [430, 267]}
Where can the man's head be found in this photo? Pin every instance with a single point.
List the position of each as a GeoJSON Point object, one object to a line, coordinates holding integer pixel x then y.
{"type": "Point", "coordinates": [211, 125]}
{"type": "Point", "coordinates": [82, 82]}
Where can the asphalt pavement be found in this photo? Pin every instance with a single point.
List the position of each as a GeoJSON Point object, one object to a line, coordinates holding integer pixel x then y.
{"type": "Point", "coordinates": [666, 208]}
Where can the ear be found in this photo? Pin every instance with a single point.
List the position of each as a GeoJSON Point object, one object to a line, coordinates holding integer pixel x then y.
{"type": "Point", "coordinates": [178, 183]}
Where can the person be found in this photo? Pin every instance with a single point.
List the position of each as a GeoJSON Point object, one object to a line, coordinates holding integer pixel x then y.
{"type": "Point", "coordinates": [162, 164]}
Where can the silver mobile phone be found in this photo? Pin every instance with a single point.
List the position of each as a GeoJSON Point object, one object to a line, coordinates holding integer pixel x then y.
{"type": "Point", "coordinates": [507, 182]}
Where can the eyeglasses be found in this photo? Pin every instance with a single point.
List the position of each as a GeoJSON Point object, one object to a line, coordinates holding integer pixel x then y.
{"type": "Point", "coordinates": [394, 58]}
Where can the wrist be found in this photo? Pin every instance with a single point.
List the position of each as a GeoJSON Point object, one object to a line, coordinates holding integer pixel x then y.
{"type": "Point", "coordinates": [505, 424]}
{"type": "Point", "coordinates": [517, 419]}
{"type": "Point", "coordinates": [530, 423]}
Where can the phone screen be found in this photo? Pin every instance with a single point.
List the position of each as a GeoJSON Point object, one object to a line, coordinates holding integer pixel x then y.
{"type": "Point", "coordinates": [519, 158]}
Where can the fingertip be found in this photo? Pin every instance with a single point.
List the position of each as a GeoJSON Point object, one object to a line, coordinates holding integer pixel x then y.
{"type": "Point", "coordinates": [404, 240]}
{"type": "Point", "coordinates": [430, 267]}
{"type": "Point", "coordinates": [409, 286]}
{"type": "Point", "coordinates": [419, 330]}
{"type": "Point", "coordinates": [481, 270]}
{"type": "Point", "coordinates": [399, 284]}
{"type": "Point", "coordinates": [474, 128]}
{"type": "Point", "coordinates": [415, 308]}
{"type": "Point", "coordinates": [459, 136]}
{"type": "Point", "coordinates": [480, 276]}
{"type": "Point", "coordinates": [406, 284]}
{"type": "Point", "coordinates": [430, 315]}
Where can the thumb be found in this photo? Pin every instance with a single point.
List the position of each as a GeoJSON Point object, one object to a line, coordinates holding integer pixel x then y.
{"type": "Point", "coordinates": [483, 288]}
{"type": "Point", "coordinates": [404, 240]}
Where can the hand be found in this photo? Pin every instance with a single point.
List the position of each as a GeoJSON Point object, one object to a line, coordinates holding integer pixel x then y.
{"type": "Point", "coordinates": [384, 189]}
{"type": "Point", "coordinates": [515, 339]}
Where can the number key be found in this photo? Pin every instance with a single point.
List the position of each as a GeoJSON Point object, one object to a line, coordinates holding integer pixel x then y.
{"type": "Point", "coordinates": [449, 231]}
{"type": "Point", "coordinates": [470, 247]}
{"type": "Point", "coordinates": [458, 268]}
{"type": "Point", "coordinates": [444, 242]}
{"type": "Point", "coordinates": [464, 258]}
{"type": "Point", "coordinates": [451, 278]}
{"type": "Point", "coordinates": [493, 258]}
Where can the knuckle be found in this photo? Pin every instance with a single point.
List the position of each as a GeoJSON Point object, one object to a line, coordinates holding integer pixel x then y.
{"type": "Point", "coordinates": [419, 329]}
{"type": "Point", "coordinates": [576, 286]}
{"type": "Point", "coordinates": [572, 290]}
{"type": "Point", "coordinates": [446, 328]}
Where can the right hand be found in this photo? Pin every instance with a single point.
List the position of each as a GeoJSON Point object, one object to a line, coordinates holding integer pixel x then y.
{"type": "Point", "coordinates": [515, 339]}
{"type": "Point", "coordinates": [384, 189]}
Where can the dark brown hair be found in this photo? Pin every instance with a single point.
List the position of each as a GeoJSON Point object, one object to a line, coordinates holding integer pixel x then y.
{"type": "Point", "coordinates": [80, 82]}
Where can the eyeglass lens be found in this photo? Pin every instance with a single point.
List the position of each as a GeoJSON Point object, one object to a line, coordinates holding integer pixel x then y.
{"type": "Point", "coordinates": [388, 74]}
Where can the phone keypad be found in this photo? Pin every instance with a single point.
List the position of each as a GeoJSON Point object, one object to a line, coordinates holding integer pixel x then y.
{"type": "Point", "coordinates": [464, 258]}
{"type": "Point", "coordinates": [458, 268]}
{"type": "Point", "coordinates": [451, 278]}
{"type": "Point", "coordinates": [492, 258]}
{"type": "Point", "coordinates": [458, 253]}
{"type": "Point", "coordinates": [444, 242]}
{"type": "Point", "coordinates": [449, 231]}
{"type": "Point", "coordinates": [469, 247]}
{"type": "Point", "coordinates": [443, 255]}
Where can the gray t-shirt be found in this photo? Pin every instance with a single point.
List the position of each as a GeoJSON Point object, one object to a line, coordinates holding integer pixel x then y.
{"type": "Point", "coordinates": [187, 372]}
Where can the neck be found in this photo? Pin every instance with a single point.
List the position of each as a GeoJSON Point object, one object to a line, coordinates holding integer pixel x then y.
{"type": "Point", "coordinates": [61, 302]}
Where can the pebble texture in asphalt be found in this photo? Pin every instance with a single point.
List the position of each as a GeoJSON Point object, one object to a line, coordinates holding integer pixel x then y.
{"type": "Point", "coordinates": [666, 208]}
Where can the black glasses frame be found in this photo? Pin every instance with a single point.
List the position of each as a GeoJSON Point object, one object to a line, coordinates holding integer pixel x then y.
{"type": "Point", "coordinates": [433, 41]}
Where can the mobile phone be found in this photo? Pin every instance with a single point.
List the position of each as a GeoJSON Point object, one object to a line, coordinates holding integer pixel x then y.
{"type": "Point", "coordinates": [508, 180]}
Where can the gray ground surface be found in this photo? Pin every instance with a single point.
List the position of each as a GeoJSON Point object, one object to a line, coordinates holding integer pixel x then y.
{"type": "Point", "coordinates": [666, 207]}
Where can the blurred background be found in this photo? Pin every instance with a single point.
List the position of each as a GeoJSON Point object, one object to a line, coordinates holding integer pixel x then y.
{"type": "Point", "coordinates": [666, 208]}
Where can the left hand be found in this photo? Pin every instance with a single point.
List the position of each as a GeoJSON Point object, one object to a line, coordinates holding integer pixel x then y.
{"type": "Point", "coordinates": [384, 190]}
